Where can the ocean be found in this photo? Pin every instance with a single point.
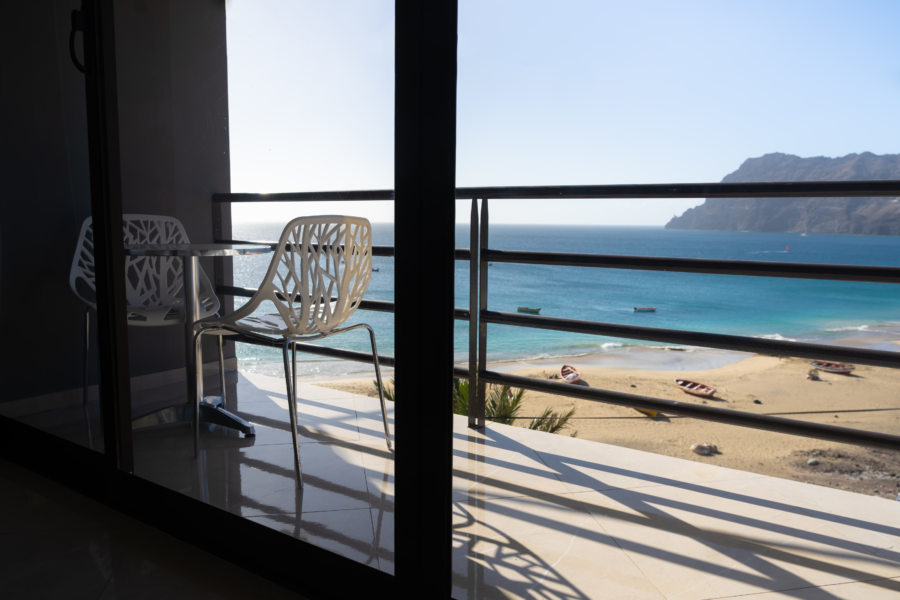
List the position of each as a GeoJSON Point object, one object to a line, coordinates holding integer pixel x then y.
{"type": "Point", "coordinates": [862, 314]}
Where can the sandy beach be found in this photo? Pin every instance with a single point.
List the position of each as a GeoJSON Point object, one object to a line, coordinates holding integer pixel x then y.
{"type": "Point", "coordinates": [867, 399]}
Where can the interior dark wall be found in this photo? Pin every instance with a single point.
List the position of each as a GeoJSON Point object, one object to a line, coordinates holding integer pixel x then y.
{"type": "Point", "coordinates": [173, 112]}
{"type": "Point", "coordinates": [46, 194]}
{"type": "Point", "coordinates": [173, 131]}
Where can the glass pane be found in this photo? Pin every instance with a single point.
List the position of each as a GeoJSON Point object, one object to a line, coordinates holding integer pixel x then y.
{"type": "Point", "coordinates": [50, 362]}
{"type": "Point", "coordinates": [621, 502]}
{"type": "Point", "coordinates": [329, 83]}
{"type": "Point", "coordinates": [319, 117]}
{"type": "Point", "coordinates": [173, 138]}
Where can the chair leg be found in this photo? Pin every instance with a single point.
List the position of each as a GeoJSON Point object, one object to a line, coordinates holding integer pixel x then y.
{"type": "Point", "coordinates": [84, 376]}
{"type": "Point", "coordinates": [290, 378]}
{"type": "Point", "coordinates": [198, 376]}
{"type": "Point", "coordinates": [222, 367]}
{"type": "Point", "coordinates": [387, 431]}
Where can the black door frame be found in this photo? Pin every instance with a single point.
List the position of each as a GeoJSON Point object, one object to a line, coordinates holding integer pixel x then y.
{"type": "Point", "coordinates": [425, 107]}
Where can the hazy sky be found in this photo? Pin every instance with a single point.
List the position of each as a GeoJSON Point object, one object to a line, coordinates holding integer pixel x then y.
{"type": "Point", "coordinates": [562, 92]}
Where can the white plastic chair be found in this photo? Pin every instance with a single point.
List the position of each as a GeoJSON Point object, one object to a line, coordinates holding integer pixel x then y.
{"type": "Point", "coordinates": [153, 291]}
{"type": "Point", "coordinates": [317, 277]}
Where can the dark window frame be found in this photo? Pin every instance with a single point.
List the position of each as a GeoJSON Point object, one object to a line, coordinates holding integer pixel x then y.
{"type": "Point", "coordinates": [425, 168]}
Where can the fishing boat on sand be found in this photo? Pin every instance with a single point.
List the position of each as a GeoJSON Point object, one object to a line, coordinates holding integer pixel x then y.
{"type": "Point", "coordinates": [529, 310]}
{"type": "Point", "coordinates": [644, 309]}
{"type": "Point", "coordinates": [695, 389]}
{"type": "Point", "coordinates": [570, 374]}
{"type": "Point", "coordinates": [830, 367]}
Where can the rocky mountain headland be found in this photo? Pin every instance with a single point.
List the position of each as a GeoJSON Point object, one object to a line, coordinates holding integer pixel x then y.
{"type": "Point", "coordinates": [866, 216]}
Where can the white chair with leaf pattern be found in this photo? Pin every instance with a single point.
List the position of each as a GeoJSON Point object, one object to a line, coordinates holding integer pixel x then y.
{"type": "Point", "coordinates": [316, 280]}
{"type": "Point", "coordinates": [153, 284]}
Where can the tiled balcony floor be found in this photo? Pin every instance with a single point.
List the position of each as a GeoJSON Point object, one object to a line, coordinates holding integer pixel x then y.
{"type": "Point", "coordinates": [538, 515]}
{"type": "Point", "coordinates": [534, 515]}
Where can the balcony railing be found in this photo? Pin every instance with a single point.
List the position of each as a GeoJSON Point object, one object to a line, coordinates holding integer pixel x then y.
{"type": "Point", "coordinates": [478, 316]}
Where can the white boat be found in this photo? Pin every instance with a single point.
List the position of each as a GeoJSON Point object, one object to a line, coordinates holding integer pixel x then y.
{"type": "Point", "coordinates": [830, 367]}
{"type": "Point", "coordinates": [570, 374]}
{"type": "Point", "coordinates": [694, 388]}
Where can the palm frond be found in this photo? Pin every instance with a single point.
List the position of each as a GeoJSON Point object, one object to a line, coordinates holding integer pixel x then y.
{"type": "Point", "coordinates": [550, 421]}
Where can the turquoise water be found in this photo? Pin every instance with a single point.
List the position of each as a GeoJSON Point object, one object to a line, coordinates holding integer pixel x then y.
{"type": "Point", "coordinates": [793, 309]}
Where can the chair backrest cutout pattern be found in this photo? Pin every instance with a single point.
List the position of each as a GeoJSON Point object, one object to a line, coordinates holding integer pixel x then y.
{"type": "Point", "coordinates": [153, 284]}
{"type": "Point", "coordinates": [317, 277]}
{"type": "Point", "coordinates": [82, 275]}
{"type": "Point", "coordinates": [153, 281]}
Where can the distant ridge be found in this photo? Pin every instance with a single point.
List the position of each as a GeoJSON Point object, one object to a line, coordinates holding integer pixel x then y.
{"type": "Point", "coordinates": [866, 216]}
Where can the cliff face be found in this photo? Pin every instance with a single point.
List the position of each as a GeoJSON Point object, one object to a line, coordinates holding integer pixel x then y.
{"type": "Point", "coordinates": [870, 216]}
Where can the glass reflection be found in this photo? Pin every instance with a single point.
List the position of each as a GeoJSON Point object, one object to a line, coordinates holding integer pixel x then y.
{"type": "Point", "coordinates": [50, 359]}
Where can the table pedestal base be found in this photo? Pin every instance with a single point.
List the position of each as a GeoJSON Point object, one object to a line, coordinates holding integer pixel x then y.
{"type": "Point", "coordinates": [163, 417]}
{"type": "Point", "coordinates": [212, 410]}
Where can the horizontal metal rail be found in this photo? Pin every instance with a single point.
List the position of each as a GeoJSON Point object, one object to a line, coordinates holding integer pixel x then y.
{"type": "Point", "coordinates": [383, 360]}
{"type": "Point", "coordinates": [232, 290]}
{"type": "Point", "coordinates": [460, 314]}
{"type": "Point", "coordinates": [811, 189]}
{"type": "Point", "coordinates": [802, 189]}
{"type": "Point", "coordinates": [333, 196]}
{"type": "Point", "coordinates": [878, 358]}
{"type": "Point", "coordinates": [376, 250]}
{"type": "Point", "coordinates": [701, 265]}
{"type": "Point", "coordinates": [458, 254]}
{"type": "Point", "coordinates": [728, 416]}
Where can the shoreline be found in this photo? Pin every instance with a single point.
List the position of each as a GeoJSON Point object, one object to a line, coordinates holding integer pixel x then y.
{"type": "Point", "coordinates": [649, 358]}
{"type": "Point", "coordinates": [885, 337]}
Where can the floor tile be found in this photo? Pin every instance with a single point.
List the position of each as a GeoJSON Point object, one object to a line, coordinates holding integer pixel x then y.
{"type": "Point", "coordinates": [737, 537]}
{"type": "Point", "coordinates": [260, 480]}
{"type": "Point", "coordinates": [379, 471]}
{"type": "Point", "coordinates": [492, 465]}
{"type": "Point", "coordinates": [535, 547]}
{"type": "Point", "coordinates": [878, 589]}
{"type": "Point", "coordinates": [345, 532]}
{"type": "Point", "coordinates": [383, 525]}
{"type": "Point", "coordinates": [587, 465]}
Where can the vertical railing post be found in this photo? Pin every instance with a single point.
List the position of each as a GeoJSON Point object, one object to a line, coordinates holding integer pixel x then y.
{"type": "Point", "coordinates": [481, 392]}
{"type": "Point", "coordinates": [474, 260]}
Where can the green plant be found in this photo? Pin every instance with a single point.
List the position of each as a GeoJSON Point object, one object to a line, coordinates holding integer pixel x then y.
{"type": "Point", "coordinates": [502, 405]}
{"type": "Point", "coordinates": [550, 421]}
{"type": "Point", "coordinates": [388, 389]}
{"type": "Point", "coordinates": [460, 396]}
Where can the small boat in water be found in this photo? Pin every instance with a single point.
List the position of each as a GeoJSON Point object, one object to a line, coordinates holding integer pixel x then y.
{"type": "Point", "coordinates": [644, 309]}
{"type": "Point", "coordinates": [529, 310]}
{"type": "Point", "coordinates": [695, 389]}
{"type": "Point", "coordinates": [830, 367]}
{"type": "Point", "coordinates": [570, 374]}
